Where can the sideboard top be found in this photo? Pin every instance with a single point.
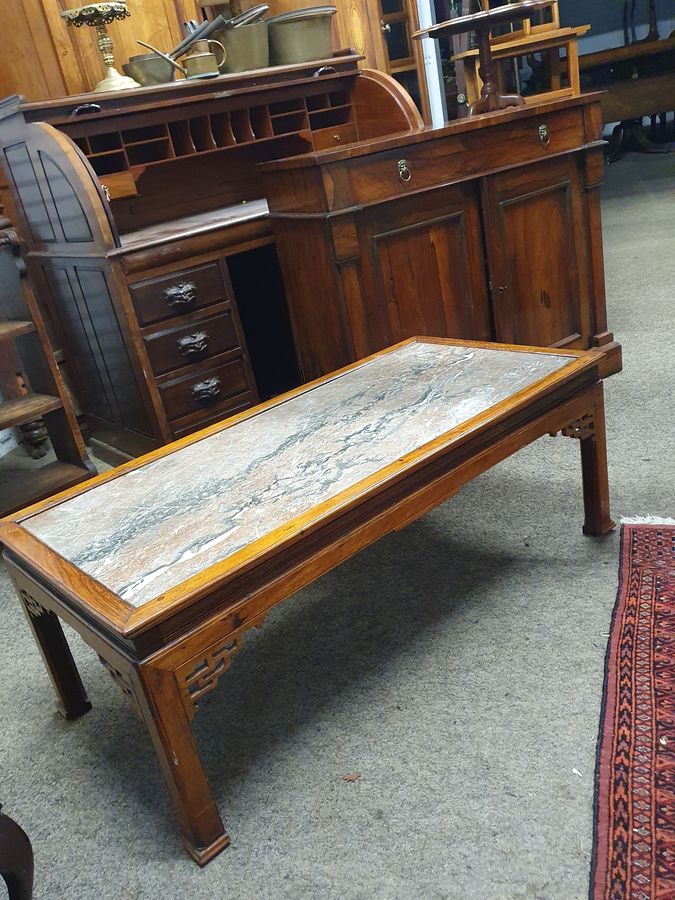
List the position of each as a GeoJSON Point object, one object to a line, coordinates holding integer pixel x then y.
{"type": "Point", "coordinates": [458, 127]}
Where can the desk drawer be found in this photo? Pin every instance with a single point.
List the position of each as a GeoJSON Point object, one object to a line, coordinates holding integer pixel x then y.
{"type": "Point", "coordinates": [178, 292]}
{"type": "Point", "coordinates": [409, 168]}
{"type": "Point", "coordinates": [205, 389]}
{"type": "Point", "coordinates": [182, 345]}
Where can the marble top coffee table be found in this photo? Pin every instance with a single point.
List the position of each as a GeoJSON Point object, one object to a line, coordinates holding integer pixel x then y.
{"type": "Point", "coordinates": [165, 562]}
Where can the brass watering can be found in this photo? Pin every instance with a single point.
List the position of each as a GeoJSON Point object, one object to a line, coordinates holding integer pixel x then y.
{"type": "Point", "coordinates": [199, 62]}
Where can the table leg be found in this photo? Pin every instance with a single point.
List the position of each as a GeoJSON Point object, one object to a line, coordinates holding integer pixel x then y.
{"type": "Point", "coordinates": [162, 708]}
{"type": "Point", "coordinates": [46, 628]}
{"type": "Point", "coordinates": [590, 431]}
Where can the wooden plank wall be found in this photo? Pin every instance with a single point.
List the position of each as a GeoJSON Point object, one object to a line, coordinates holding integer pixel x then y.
{"type": "Point", "coordinates": [42, 57]}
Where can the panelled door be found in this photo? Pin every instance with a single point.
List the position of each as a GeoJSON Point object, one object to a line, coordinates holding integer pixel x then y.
{"type": "Point", "coordinates": [538, 262]}
{"type": "Point", "coordinates": [423, 267]}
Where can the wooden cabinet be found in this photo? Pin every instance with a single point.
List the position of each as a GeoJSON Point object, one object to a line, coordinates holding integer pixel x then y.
{"type": "Point", "coordinates": [422, 267]}
{"type": "Point", "coordinates": [538, 239]}
{"type": "Point", "coordinates": [486, 229]}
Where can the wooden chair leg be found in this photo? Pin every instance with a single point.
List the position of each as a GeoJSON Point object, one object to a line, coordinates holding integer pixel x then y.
{"type": "Point", "coordinates": [162, 708]}
{"type": "Point", "coordinates": [16, 859]}
{"type": "Point", "coordinates": [46, 628]}
{"type": "Point", "coordinates": [594, 473]}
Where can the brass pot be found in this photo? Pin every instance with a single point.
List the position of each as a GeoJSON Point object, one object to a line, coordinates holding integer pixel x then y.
{"type": "Point", "coordinates": [148, 68]}
{"type": "Point", "coordinates": [301, 35]}
{"type": "Point", "coordinates": [247, 47]}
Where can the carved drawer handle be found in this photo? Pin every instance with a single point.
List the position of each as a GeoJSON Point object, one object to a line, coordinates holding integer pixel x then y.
{"type": "Point", "coordinates": [206, 391]}
{"type": "Point", "coordinates": [404, 172]}
{"type": "Point", "coordinates": [182, 294]}
{"type": "Point", "coordinates": [544, 135]}
{"type": "Point", "coordinates": [194, 344]}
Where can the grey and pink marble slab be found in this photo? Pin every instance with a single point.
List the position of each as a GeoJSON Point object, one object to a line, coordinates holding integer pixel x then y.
{"type": "Point", "coordinates": [152, 528]}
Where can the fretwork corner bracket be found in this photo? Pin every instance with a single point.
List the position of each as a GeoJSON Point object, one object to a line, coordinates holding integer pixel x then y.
{"type": "Point", "coordinates": [33, 607]}
{"type": "Point", "coordinates": [581, 428]}
{"type": "Point", "coordinates": [199, 677]}
{"type": "Point", "coordinates": [123, 682]}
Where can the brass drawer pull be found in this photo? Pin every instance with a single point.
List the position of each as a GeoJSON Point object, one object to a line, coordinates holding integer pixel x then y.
{"type": "Point", "coordinates": [206, 391]}
{"type": "Point", "coordinates": [194, 344]}
{"type": "Point", "coordinates": [404, 172]}
{"type": "Point", "coordinates": [544, 135]}
{"type": "Point", "coordinates": [182, 294]}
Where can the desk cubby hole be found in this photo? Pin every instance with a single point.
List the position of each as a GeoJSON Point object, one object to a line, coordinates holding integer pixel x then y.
{"type": "Point", "coordinates": [317, 101]}
{"type": "Point", "coordinates": [108, 163]}
{"type": "Point", "coordinates": [338, 115]}
{"type": "Point", "coordinates": [339, 98]}
{"type": "Point", "coordinates": [241, 126]}
{"type": "Point", "coordinates": [102, 143]}
{"type": "Point", "coordinates": [181, 138]}
{"type": "Point", "coordinates": [221, 126]}
{"type": "Point", "coordinates": [261, 122]}
{"type": "Point", "coordinates": [156, 150]}
{"type": "Point", "coordinates": [203, 138]}
{"type": "Point", "coordinates": [282, 107]}
{"type": "Point", "coordinates": [146, 133]}
{"type": "Point", "coordinates": [290, 122]}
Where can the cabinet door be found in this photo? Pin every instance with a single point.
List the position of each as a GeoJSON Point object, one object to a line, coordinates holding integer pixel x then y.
{"type": "Point", "coordinates": [537, 236]}
{"type": "Point", "coordinates": [423, 267]}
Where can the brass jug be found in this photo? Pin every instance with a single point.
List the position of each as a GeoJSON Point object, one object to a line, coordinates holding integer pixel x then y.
{"type": "Point", "coordinates": [200, 62]}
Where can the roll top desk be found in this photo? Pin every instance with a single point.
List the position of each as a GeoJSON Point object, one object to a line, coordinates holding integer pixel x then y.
{"type": "Point", "coordinates": [147, 238]}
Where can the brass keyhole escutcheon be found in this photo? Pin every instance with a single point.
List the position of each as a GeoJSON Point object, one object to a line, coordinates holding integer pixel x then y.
{"type": "Point", "coordinates": [544, 135]}
{"type": "Point", "coordinates": [404, 172]}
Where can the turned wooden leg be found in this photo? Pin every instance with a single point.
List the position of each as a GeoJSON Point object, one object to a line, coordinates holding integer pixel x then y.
{"type": "Point", "coordinates": [16, 859]}
{"type": "Point", "coordinates": [162, 707]}
{"type": "Point", "coordinates": [46, 628]}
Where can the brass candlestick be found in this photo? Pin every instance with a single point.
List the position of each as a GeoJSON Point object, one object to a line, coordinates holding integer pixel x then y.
{"type": "Point", "coordinates": [98, 15]}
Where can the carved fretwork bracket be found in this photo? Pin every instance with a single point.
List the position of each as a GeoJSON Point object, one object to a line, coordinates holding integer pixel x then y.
{"type": "Point", "coordinates": [33, 607]}
{"type": "Point", "coordinates": [199, 677]}
{"type": "Point", "coordinates": [122, 681]}
{"type": "Point", "coordinates": [581, 428]}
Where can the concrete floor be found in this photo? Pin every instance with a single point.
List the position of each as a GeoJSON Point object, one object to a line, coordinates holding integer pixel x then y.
{"type": "Point", "coordinates": [456, 667]}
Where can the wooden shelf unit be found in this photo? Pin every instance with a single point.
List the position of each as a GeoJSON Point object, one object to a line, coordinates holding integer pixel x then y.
{"type": "Point", "coordinates": [24, 339]}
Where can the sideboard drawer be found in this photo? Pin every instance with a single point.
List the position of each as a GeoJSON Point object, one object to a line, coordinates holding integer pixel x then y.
{"type": "Point", "coordinates": [182, 345]}
{"type": "Point", "coordinates": [427, 164]}
{"type": "Point", "coordinates": [204, 390]}
{"type": "Point", "coordinates": [178, 292]}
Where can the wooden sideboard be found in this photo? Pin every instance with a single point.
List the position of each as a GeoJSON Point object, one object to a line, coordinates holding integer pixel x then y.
{"type": "Point", "coordinates": [487, 229]}
{"type": "Point", "coordinates": [148, 243]}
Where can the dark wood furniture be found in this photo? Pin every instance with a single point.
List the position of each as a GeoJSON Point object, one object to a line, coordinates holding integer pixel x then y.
{"type": "Point", "coordinates": [487, 229]}
{"type": "Point", "coordinates": [16, 859]}
{"type": "Point", "coordinates": [192, 554]}
{"type": "Point", "coordinates": [639, 80]}
{"type": "Point", "coordinates": [147, 239]}
{"type": "Point", "coordinates": [37, 395]}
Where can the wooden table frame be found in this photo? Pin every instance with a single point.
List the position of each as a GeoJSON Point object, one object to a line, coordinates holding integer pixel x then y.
{"type": "Point", "coordinates": [168, 653]}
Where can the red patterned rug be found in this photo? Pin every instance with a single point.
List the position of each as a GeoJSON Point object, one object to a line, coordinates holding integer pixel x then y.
{"type": "Point", "coordinates": [634, 829]}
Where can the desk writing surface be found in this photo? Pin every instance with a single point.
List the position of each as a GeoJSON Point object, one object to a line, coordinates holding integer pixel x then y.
{"type": "Point", "coordinates": [153, 527]}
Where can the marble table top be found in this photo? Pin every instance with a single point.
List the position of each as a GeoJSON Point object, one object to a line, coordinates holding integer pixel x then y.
{"type": "Point", "coordinates": [153, 527]}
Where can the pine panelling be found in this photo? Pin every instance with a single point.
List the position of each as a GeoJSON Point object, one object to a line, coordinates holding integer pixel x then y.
{"type": "Point", "coordinates": [42, 57]}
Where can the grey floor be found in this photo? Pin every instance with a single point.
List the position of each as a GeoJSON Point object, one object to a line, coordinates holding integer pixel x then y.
{"type": "Point", "coordinates": [456, 667]}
